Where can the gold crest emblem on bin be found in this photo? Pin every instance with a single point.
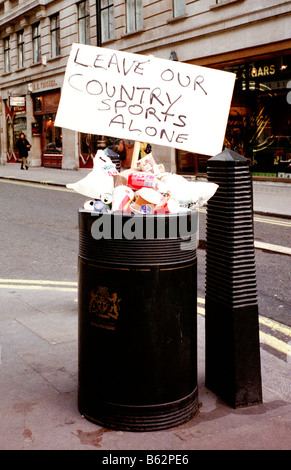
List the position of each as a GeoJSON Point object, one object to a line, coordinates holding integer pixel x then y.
{"type": "Point", "coordinates": [104, 308]}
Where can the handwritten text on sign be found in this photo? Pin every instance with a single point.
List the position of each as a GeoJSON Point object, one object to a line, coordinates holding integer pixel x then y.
{"type": "Point", "coordinates": [136, 97]}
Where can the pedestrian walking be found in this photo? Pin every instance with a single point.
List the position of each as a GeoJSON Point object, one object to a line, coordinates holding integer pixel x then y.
{"type": "Point", "coordinates": [23, 147]}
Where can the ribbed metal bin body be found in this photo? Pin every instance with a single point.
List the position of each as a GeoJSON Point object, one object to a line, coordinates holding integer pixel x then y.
{"type": "Point", "coordinates": [137, 327]}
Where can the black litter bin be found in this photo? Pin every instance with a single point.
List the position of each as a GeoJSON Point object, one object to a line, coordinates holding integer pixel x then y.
{"type": "Point", "coordinates": [137, 320]}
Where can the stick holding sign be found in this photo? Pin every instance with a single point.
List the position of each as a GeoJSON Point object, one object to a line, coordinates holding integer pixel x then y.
{"type": "Point", "coordinates": [145, 99]}
{"type": "Point", "coordinates": [135, 154]}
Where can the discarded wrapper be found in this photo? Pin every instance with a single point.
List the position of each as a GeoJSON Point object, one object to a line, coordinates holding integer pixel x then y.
{"type": "Point", "coordinates": [148, 164]}
{"type": "Point", "coordinates": [141, 180]}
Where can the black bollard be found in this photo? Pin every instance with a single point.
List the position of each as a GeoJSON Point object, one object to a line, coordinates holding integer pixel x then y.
{"type": "Point", "coordinates": [232, 350]}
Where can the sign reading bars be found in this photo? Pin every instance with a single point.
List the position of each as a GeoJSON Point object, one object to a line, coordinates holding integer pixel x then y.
{"type": "Point", "coordinates": [143, 98]}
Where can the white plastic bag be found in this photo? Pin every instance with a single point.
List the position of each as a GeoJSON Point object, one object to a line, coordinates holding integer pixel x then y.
{"type": "Point", "coordinates": [189, 194]}
{"type": "Point", "coordinates": [99, 180]}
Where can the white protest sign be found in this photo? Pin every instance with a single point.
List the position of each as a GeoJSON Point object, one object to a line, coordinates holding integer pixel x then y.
{"type": "Point", "coordinates": [143, 98]}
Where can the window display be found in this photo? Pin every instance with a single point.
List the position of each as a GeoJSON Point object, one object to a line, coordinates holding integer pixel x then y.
{"type": "Point", "coordinates": [259, 124]}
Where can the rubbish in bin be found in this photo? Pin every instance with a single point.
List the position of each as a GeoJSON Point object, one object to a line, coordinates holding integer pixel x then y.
{"type": "Point", "coordinates": [122, 197]}
{"type": "Point", "coordinates": [188, 194]}
{"type": "Point", "coordinates": [89, 205]}
{"type": "Point", "coordinates": [99, 181]}
{"type": "Point", "coordinates": [168, 205]}
{"type": "Point", "coordinates": [107, 199]}
{"type": "Point", "coordinates": [99, 206]}
{"type": "Point", "coordinates": [148, 189]}
{"type": "Point", "coordinates": [141, 180]}
{"type": "Point", "coordinates": [148, 164]}
{"type": "Point", "coordinates": [146, 200]}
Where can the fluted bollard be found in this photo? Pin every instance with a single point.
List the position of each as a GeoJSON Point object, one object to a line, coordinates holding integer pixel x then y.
{"type": "Point", "coordinates": [232, 349]}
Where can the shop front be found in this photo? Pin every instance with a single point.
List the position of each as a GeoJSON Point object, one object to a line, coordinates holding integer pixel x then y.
{"type": "Point", "coordinates": [259, 125]}
{"type": "Point", "coordinates": [45, 106]}
{"type": "Point", "coordinates": [16, 122]}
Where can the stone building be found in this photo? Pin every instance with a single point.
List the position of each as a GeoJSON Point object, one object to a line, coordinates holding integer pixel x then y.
{"type": "Point", "coordinates": [250, 38]}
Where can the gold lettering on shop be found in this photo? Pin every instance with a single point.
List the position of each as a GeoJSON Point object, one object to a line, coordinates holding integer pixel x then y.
{"type": "Point", "coordinates": [43, 85]}
{"type": "Point", "coordinates": [260, 122]}
{"type": "Point", "coordinates": [260, 71]}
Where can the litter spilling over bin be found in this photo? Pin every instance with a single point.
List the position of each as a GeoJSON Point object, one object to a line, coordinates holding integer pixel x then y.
{"type": "Point", "coordinates": [138, 296]}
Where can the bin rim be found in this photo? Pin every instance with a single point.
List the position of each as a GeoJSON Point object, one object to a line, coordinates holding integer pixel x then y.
{"type": "Point", "coordinates": [125, 214]}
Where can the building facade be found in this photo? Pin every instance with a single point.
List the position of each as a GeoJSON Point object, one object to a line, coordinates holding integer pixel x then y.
{"type": "Point", "coordinates": [249, 38]}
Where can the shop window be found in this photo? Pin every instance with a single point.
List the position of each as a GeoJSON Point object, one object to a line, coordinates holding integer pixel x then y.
{"type": "Point", "coordinates": [52, 135]}
{"type": "Point", "coordinates": [19, 125]}
{"type": "Point", "coordinates": [10, 142]}
{"type": "Point", "coordinates": [7, 55]}
{"type": "Point", "coordinates": [259, 124]}
{"type": "Point", "coordinates": [37, 104]}
{"type": "Point", "coordinates": [107, 20]}
{"type": "Point", "coordinates": [88, 144]}
{"type": "Point", "coordinates": [190, 163]}
{"type": "Point", "coordinates": [36, 52]}
{"type": "Point", "coordinates": [20, 49]}
{"type": "Point", "coordinates": [84, 22]}
{"type": "Point", "coordinates": [55, 36]}
{"type": "Point", "coordinates": [134, 19]}
{"type": "Point", "coordinates": [179, 8]}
